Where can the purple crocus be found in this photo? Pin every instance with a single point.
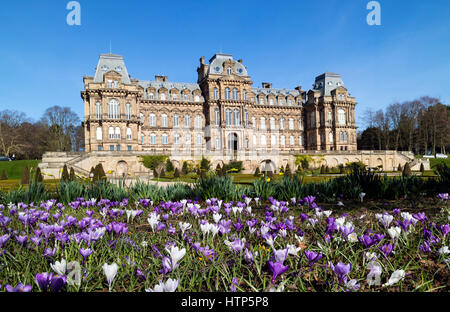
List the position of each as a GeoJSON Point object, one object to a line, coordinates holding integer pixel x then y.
{"type": "Point", "coordinates": [22, 239]}
{"type": "Point", "coordinates": [312, 257]}
{"type": "Point", "coordinates": [4, 239]}
{"type": "Point", "coordinates": [276, 268]}
{"type": "Point", "coordinates": [85, 253]}
{"type": "Point", "coordinates": [425, 247]}
{"type": "Point", "coordinates": [387, 249]}
{"type": "Point", "coordinates": [19, 288]}
{"type": "Point", "coordinates": [43, 280]}
{"type": "Point", "coordinates": [341, 269]}
{"type": "Point", "coordinates": [445, 229]}
{"type": "Point", "coordinates": [248, 256]}
{"type": "Point", "coordinates": [234, 283]}
{"type": "Point", "coordinates": [167, 265]}
{"type": "Point", "coordinates": [48, 252]}
{"type": "Point", "coordinates": [57, 282]}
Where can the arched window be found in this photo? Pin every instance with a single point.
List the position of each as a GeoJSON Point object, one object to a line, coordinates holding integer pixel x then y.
{"type": "Point", "coordinates": [113, 109]}
{"type": "Point", "coordinates": [128, 111]}
{"type": "Point", "coordinates": [271, 101]}
{"type": "Point", "coordinates": [176, 138]}
{"type": "Point", "coordinates": [162, 96]}
{"type": "Point", "coordinates": [236, 117]}
{"type": "Point", "coordinates": [273, 140]}
{"type": "Point", "coordinates": [216, 116]}
{"type": "Point", "coordinates": [111, 132]}
{"type": "Point", "coordinates": [99, 133]}
{"type": "Point", "coordinates": [186, 97]}
{"type": "Point", "coordinates": [263, 140]}
{"type": "Point", "coordinates": [165, 139]}
{"type": "Point", "coordinates": [175, 120]}
{"type": "Point", "coordinates": [129, 135]}
{"type": "Point", "coordinates": [187, 138]}
{"type": "Point", "coordinates": [235, 94]}
{"type": "Point", "coordinates": [216, 94]}
{"type": "Point", "coordinates": [198, 140]}
{"type": "Point", "coordinates": [163, 120]}
{"type": "Point", "coordinates": [197, 98]}
{"type": "Point", "coordinates": [187, 121]}
{"type": "Point", "coordinates": [117, 133]}
{"type": "Point", "coordinates": [263, 123]}
{"type": "Point", "coordinates": [152, 120]}
{"type": "Point", "coordinates": [152, 138]}
{"type": "Point", "coordinates": [261, 101]}
{"type": "Point", "coordinates": [341, 117]}
{"type": "Point", "coordinates": [198, 122]}
{"type": "Point", "coordinates": [151, 96]}
{"type": "Point", "coordinates": [228, 117]}
{"type": "Point", "coordinates": [227, 93]}
{"type": "Point", "coordinates": [98, 110]}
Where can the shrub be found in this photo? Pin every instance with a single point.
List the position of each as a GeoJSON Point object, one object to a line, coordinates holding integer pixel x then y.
{"type": "Point", "coordinates": [257, 172]}
{"type": "Point", "coordinates": [205, 164]}
{"type": "Point", "coordinates": [99, 173]}
{"type": "Point", "coordinates": [162, 173]}
{"type": "Point", "coordinates": [322, 169]}
{"type": "Point", "coordinates": [72, 176]}
{"type": "Point", "coordinates": [3, 176]}
{"type": "Point", "coordinates": [65, 174]}
{"type": "Point", "coordinates": [184, 168]}
{"type": "Point", "coordinates": [422, 168]}
{"type": "Point", "coordinates": [169, 165]}
{"type": "Point", "coordinates": [233, 166]}
{"type": "Point", "coordinates": [25, 175]}
{"type": "Point", "coordinates": [287, 171]}
{"type": "Point", "coordinates": [153, 161]}
{"type": "Point", "coordinates": [176, 174]}
{"type": "Point", "coordinates": [38, 175]}
{"type": "Point", "coordinates": [399, 168]}
{"type": "Point", "coordinates": [406, 170]}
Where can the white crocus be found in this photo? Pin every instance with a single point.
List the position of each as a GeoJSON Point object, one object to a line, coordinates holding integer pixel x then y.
{"type": "Point", "coordinates": [153, 220]}
{"type": "Point", "coordinates": [396, 277]}
{"type": "Point", "coordinates": [171, 285]}
{"type": "Point", "coordinates": [176, 254]}
{"type": "Point", "coordinates": [386, 220]}
{"type": "Point", "coordinates": [327, 213]}
{"type": "Point", "coordinates": [361, 196]}
{"type": "Point", "coordinates": [340, 222]}
{"type": "Point", "coordinates": [264, 230]}
{"type": "Point", "coordinates": [352, 237]}
{"type": "Point", "coordinates": [217, 217]}
{"type": "Point", "coordinates": [59, 267]}
{"type": "Point", "coordinates": [443, 250]}
{"type": "Point", "coordinates": [292, 250]}
{"type": "Point", "coordinates": [110, 271]}
{"type": "Point", "coordinates": [394, 232]}
{"type": "Point", "coordinates": [299, 238]}
{"type": "Point", "coordinates": [248, 200]}
{"type": "Point", "coordinates": [373, 278]}
{"type": "Point", "coordinates": [214, 229]}
{"type": "Point", "coordinates": [283, 233]}
{"type": "Point", "coordinates": [131, 214]}
{"type": "Point", "coordinates": [205, 228]}
{"type": "Point", "coordinates": [184, 226]}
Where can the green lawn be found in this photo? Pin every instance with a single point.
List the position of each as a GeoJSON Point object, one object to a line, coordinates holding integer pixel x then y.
{"type": "Point", "coordinates": [14, 169]}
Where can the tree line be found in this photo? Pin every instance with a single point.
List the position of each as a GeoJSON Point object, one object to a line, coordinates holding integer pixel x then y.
{"type": "Point", "coordinates": [421, 126]}
{"type": "Point", "coordinates": [59, 130]}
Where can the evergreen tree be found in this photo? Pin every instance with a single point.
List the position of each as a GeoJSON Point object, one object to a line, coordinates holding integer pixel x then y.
{"type": "Point", "coordinates": [65, 174]}
{"type": "Point", "coordinates": [205, 164]}
{"type": "Point", "coordinates": [257, 172]}
{"type": "Point", "coordinates": [399, 168]}
{"type": "Point", "coordinates": [322, 169]}
{"type": "Point", "coordinates": [38, 175]}
{"type": "Point", "coordinates": [176, 174]}
{"type": "Point", "coordinates": [287, 170]}
{"type": "Point", "coordinates": [162, 173]}
{"type": "Point", "coordinates": [72, 174]}
{"type": "Point", "coordinates": [169, 165]}
{"type": "Point", "coordinates": [406, 170]}
{"type": "Point", "coordinates": [184, 169]}
{"type": "Point", "coordinates": [4, 176]}
{"type": "Point", "coordinates": [25, 176]}
{"type": "Point", "coordinates": [422, 168]}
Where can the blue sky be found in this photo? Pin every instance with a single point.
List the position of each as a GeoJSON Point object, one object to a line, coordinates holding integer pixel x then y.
{"type": "Point", "coordinates": [286, 43]}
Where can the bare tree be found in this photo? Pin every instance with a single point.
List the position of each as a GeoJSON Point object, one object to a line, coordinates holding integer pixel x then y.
{"type": "Point", "coordinates": [10, 122]}
{"type": "Point", "coordinates": [62, 123]}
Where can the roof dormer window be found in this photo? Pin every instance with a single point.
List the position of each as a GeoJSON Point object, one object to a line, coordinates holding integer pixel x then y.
{"type": "Point", "coordinates": [229, 70]}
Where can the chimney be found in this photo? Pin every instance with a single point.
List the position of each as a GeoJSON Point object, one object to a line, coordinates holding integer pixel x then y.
{"type": "Point", "coordinates": [266, 85]}
{"type": "Point", "coordinates": [161, 78]}
{"type": "Point", "coordinates": [299, 89]}
{"type": "Point", "coordinates": [202, 60]}
{"type": "Point", "coordinates": [240, 61]}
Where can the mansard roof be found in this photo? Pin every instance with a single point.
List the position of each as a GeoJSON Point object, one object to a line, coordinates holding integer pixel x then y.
{"type": "Point", "coordinates": [108, 62]}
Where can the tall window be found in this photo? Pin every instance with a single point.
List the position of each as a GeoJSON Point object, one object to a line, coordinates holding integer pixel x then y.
{"type": "Point", "coordinates": [216, 94]}
{"type": "Point", "coordinates": [186, 97]}
{"type": "Point", "coordinates": [227, 93]}
{"type": "Point", "coordinates": [98, 110]}
{"type": "Point", "coordinates": [142, 139]}
{"type": "Point", "coordinates": [261, 100]}
{"type": "Point", "coordinates": [141, 118]}
{"type": "Point", "coordinates": [99, 133]}
{"type": "Point", "coordinates": [312, 119]}
{"type": "Point", "coordinates": [187, 121]}
{"type": "Point", "coordinates": [228, 117]}
{"type": "Point", "coordinates": [245, 95]}
{"type": "Point", "coordinates": [163, 120]}
{"type": "Point", "coordinates": [341, 117]}
{"type": "Point", "coordinates": [109, 83]}
{"type": "Point", "coordinates": [113, 109]}
{"type": "Point", "coordinates": [198, 139]}
{"type": "Point", "coordinates": [271, 101]}
{"type": "Point", "coordinates": [291, 124]}
{"type": "Point", "coordinates": [116, 84]}
{"type": "Point", "coordinates": [300, 140]}
{"type": "Point", "coordinates": [273, 140]}
{"type": "Point", "coordinates": [291, 140]}
{"type": "Point", "coordinates": [174, 96]}
{"type": "Point", "coordinates": [330, 137]}
{"type": "Point", "coordinates": [229, 70]}
{"type": "Point", "coordinates": [329, 117]}
{"type": "Point", "coordinates": [236, 117]}
{"type": "Point", "coordinates": [282, 124]}
{"type": "Point", "coordinates": [290, 102]}
{"type": "Point", "coordinates": [245, 117]}
{"type": "Point", "coordinates": [162, 96]}
{"type": "Point", "coordinates": [176, 138]}
{"type": "Point", "coordinates": [263, 140]}
{"type": "Point", "coordinates": [117, 133]}
{"type": "Point", "coordinates": [175, 120]}
{"type": "Point", "coordinates": [111, 132]}
{"type": "Point", "coordinates": [282, 140]}
{"type": "Point", "coordinates": [217, 143]}
{"type": "Point", "coordinates": [152, 138]}
{"type": "Point", "coordinates": [165, 139]}
{"type": "Point", "coordinates": [197, 98]}
{"type": "Point", "coordinates": [263, 123]}
{"type": "Point", "coordinates": [345, 137]}
{"type": "Point", "coordinates": [187, 138]}
{"type": "Point", "coordinates": [341, 136]}
{"type": "Point", "coordinates": [253, 122]}
{"type": "Point", "coordinates": [246, 143]}
{"type": "Point", "coordinates": [300, 124]}
{"type": "Point", "coordinates": [128, 111]}
{"type": "Point", "coordinates": [129, 134]}
{"type": "Point", "coordinates": [152, 120]}
{"type": "Point", "coordinates": [198, 122]}
{"type": "Point", "coordinates": [216, 116]}
{"type": "Point", "coordinates": [254, 140]}
{"type": "Point", "coordinates": [235, 94]}
{"type": "Point", "coordinates": [272, 123]}
{"type": "Point", "coordinates": [151, 96]}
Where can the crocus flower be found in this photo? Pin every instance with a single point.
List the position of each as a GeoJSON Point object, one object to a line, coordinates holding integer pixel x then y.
{"type": "Point", "coordinates": [425, 247]}
{"type": "Point", "coordinates": [169, 286]}
{"type": "Point", "coordinates": [176, 254]}
{"type": "Point", "coordinates": [341, 269]}
{"type": "Point", "coordinates": [110, 271]}
{"type": "Point", "coordinates": [59, 267]}
{"type": "Point", "coordinates": [396, 277]}
{"type": "Point", "coordinates": [19, 288]}
{"type": "Point", "coordinates": [445, 229]}
{"type": "Point", "coordinates": [277, 268]}
{"type": "Point", "coordinates": [57, 282]}
{"type": "Point", "coordinates": [234, 283]}
{"type": "Point", "coordinates": [85, 253]}
{"type": "Point", "coordinates": [280, 255]}
{"type": "Point", "coordinates": [43, 280]}
{"type": "Point", "coordinates": [387, 249]}
{"type": "Point", "coordinates": [312, 257]}
{"type": "Point", "coordinates": [394, 232]}
{"type": "Point", "coordinates": [373, 278]}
